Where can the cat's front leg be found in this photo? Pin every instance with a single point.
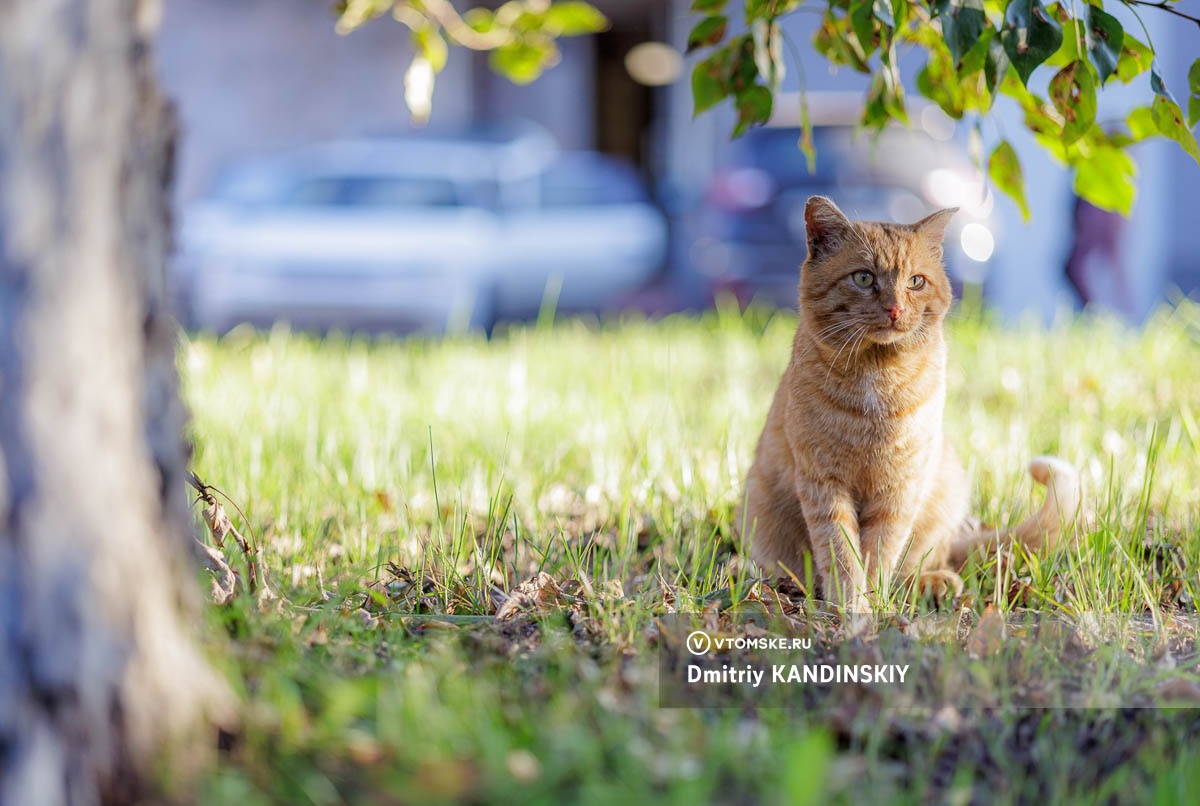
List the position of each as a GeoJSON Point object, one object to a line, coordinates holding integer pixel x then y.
{"type": "Point", "coordinates": [885, 527]}
{"type": "Point", "coordinates": [833, 534]}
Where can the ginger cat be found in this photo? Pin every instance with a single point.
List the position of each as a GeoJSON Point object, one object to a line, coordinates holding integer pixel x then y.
{"type": "Point", "coordinates": [852, 466]}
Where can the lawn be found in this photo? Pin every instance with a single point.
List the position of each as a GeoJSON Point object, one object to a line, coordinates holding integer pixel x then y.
{"type": "Point", "coordinates": [401, 491]}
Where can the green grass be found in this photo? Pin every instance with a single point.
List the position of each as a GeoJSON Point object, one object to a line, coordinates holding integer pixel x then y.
{"type": "Point", "coordinates": [609, 453]}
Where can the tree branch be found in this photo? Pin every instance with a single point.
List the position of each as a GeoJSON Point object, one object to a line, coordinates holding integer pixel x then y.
{"type": "Point", "coordinates": [1164, 6]}
{"type": "Point", "coordinates": [452, 22]}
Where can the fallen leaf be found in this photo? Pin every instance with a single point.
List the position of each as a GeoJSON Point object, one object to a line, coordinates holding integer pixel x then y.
{"type": "Point", "coordinates": [988, 636]}
{"type": "Point", "coordinates": [1180, 689]}
{"type": "Point", "coordinates": [535, 595]}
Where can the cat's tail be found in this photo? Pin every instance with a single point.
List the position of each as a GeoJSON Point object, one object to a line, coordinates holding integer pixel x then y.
{"type": "Point", "coordinates": [1043, 529]}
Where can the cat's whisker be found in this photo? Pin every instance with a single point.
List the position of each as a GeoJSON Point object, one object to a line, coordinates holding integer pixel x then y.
{"type": "Point", "coordinates": [827, 333]}
{"type": "Point", "coordinates": [862, 335]}
{"type": "Point", "coordinates": [849, 338]}
{"type": "Point", "coordinates": [854, 336]}
{"type": "Point", "coordinates": [829, 368]}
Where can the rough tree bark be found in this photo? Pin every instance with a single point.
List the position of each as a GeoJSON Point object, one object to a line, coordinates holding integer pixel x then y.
{"type": "Point", "coordinates": [98, 670]}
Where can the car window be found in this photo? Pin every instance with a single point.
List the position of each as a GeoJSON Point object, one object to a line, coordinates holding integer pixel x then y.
{"type": "Point", "coordinates": [373, 192]}
{"type": "Point", "coordinates": [591, 183]}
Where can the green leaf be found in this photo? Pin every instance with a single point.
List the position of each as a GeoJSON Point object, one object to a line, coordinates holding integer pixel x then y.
{"type": "Point", "coordinates": [709, 31]}
{"type": "Point", "coordinates": [1073, 93]}
{"type": "Point", "coordinates": [1041, 118]}
{"type": "Point", "coordinates": [573, 18]}
{"type": "Point", "coordinates": [761, 10]}
{"type": "Point", "coordinates": [1074, 43]}
{"type": "Point", "coordinates": [885, 100]}
{"type": "Point", "coordinates": [480, 20]}
{"type": "Point", "coordinates": [708, 6]}
{"type": "Point", "coordinates": [753, 107]}
{"type": "Point", "coordinates": [1105, 39]}
{"type": "Point", "coordinates": [963, 21]}
{"type": "Point", "coordinates": [743, 72]}
{"type": "Point", "coordinates": [710, 81]}
{"type": "Point", "coordinates": [1105, 178]}
{"type": "Point", "coordinates": [1030, 36]}
{"type": "Point", "coordinates": [1169, 119]}
{"type": "Point", "coordinates": [884, 12]}
{"type": "Point", "coordinates": [1141, 123]}
{"type": "Point", "coordinates": [972, 61]}
{"type": "Point", "coordinates": [430, 43]}
{"type": "Point", "coordinates": [1005, 170]}
{"type": "Point", "coordinates": [768, 52]}
{"type": "Point", "coordinates": [521, 62]}
{"type": "Point", "coordinates": [806, 135]}
{"type": "Point", "coordinates": [862, 20]}
{"type": "Point", "coordinates": [996, 66]}
{"type": "Point", "coordinates": [938, 82]}
{"type": "Point", "coordinates": [1135, 59]}
{"type": "Point", "coordinates": [836, 42]}
{"type": "Point", "coordinates": [352, 15]}
{"type": "Point", "coordinates": [770, 9]}
{"type": "Point", "coordinates": [1194, 88]}
{"type": "Point", "coordinates": [1158, 85]}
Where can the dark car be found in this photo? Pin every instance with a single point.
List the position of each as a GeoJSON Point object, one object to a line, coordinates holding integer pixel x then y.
{"type": "Point", "coordinates": [754, 208]}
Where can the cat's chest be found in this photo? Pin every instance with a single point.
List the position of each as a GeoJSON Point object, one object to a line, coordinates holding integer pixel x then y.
{"type": "Point", "coordinates": [875, 396]}
{"type": "Point", "coordinates": [881, 396]}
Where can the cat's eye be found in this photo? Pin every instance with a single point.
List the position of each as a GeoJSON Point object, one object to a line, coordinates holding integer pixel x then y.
{"type": "Point", "coordinates": [916, 282]}
{"type": "Point", "coordinates": [863, 279]}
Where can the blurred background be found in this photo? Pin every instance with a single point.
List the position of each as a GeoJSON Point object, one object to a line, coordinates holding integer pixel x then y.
{"type": "Point", "coordinates": [305, 194]}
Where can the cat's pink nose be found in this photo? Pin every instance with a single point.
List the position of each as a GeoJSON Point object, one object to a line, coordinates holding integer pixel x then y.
{"type": "Point", "coordinates": [894, 311]}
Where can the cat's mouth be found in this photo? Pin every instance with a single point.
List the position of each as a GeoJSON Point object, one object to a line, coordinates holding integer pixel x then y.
{"type": "Point", "coordinates": [890, 333]}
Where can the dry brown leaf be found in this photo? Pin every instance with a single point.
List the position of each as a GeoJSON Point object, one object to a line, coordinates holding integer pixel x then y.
{"type": "Point", "coordinates": [535, 595]}
{"type": "Point", "coordinates": [436, 624]}
{"type": "Point", "coordinates": [988, 636]}
{"type": "Point", "coordinates": [318, 637]}
{"type": "Point", "coordinates": [222, 528]}
{"type": "Point", "coordinates": [1180, 689]}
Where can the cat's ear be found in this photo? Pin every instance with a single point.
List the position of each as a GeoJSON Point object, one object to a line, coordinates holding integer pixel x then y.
{"type": "Point", "coordinates": [825, 225]}
{"type": "Point", "coordinates": [934, 226]}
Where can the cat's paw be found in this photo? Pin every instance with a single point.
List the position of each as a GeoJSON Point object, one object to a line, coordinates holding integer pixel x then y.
{"type": "Point", "coordinates": [858, 624]}
{"type": "Point", "coordinates": [940, 584]}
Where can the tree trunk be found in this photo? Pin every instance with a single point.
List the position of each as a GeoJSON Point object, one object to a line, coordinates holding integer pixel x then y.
{"type": "Point", "coordinates": [98, 669]}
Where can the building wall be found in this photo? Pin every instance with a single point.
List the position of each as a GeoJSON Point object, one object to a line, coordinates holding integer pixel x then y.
{"type": "Point", "coordinates": [253, 76]}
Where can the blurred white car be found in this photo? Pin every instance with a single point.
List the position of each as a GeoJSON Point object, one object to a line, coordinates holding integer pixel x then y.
{"type": "Point", "coordinates": [589, 236]}
{"type": "Point", "coordinates": [415, 235]}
